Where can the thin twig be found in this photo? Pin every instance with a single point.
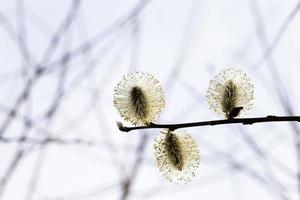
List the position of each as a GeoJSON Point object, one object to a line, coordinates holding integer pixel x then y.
{"type": "Point", "coordinates": [244, 121]}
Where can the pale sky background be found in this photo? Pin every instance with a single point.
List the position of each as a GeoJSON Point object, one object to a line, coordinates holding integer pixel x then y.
{"type": "Point", "coordinates": [60, 61]}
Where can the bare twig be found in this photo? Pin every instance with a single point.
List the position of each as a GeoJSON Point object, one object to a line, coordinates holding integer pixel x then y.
{"type": "Point", "coordinates": [244, 121]}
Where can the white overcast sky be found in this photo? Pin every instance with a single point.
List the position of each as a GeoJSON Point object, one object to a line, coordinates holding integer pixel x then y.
{"type": "Point", "coordinates": [87, 48]}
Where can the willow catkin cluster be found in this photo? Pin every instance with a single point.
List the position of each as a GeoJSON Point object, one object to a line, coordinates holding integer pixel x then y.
{"type": "Point", "coordinates": [230, 93]}
{"type": "Point", "coordinates": [177, 156]}
{"type": "Point", "coordinates": [139, 98]}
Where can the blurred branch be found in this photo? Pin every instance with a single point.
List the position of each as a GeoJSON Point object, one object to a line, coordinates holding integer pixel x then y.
{"type": "Point", "coordinates": [278, 36]}
{"type": "Point", "coordinates": [128, 181]}
{"type": "Point", "coordinates": [57, 141]}
{"type": "Point", "coordinates": [244, 121]}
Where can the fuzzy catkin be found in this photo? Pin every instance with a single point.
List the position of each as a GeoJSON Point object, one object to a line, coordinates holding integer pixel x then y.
{"type": "Point", "coordinates": [177, 155]}
{"type": "Point", "coordinates": [230, 89]}
{"type": "Point", "coordinates": [139, 98]}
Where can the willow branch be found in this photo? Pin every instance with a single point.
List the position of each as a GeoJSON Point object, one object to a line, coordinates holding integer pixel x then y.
{"type": "Point", "coordinates": [244, 121]}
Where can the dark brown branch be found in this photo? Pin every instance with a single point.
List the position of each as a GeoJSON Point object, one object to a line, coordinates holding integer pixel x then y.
{"type": "Point", "coordinates": [244, 121]}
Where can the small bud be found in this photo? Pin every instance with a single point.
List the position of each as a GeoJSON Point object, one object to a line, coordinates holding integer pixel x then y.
{"type": "Point", "coordinates": [120, 125]}
{"type": "Point", "coordinates": [234, 112]}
